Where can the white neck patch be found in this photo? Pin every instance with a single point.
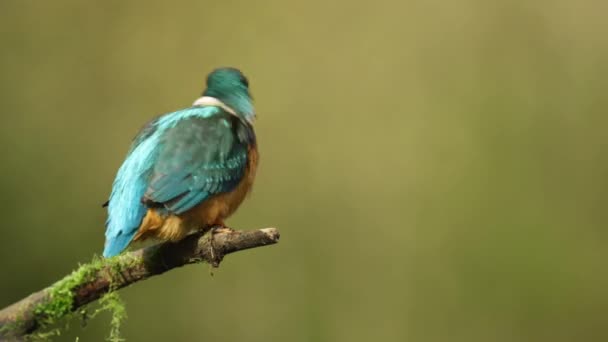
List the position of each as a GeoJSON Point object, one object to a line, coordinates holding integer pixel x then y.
{"type": "Point", "coordinates": [212, 101]}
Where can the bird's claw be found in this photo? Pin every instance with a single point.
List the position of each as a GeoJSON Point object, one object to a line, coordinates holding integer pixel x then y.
{"type": "Point", "coordinates": [220, 229]}
{"type": "Point", "coordinates": [214, 256]}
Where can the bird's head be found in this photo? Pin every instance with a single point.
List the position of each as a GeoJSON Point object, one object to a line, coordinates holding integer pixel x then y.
{"type": "Point", "coordinates": [230, 86]}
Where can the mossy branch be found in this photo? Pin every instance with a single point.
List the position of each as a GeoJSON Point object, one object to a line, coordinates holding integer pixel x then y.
{"type": "Point", "coordinates": [92, 280]}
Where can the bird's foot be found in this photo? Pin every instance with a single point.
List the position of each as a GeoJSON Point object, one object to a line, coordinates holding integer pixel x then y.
{"type": "Point", "coordinates": [220, 228]}
{"type": "Point", "coordinates": [215, 256]}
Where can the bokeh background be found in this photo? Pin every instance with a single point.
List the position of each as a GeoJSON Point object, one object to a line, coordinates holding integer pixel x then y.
{"type": "Point", "coordinates": [438, 170]}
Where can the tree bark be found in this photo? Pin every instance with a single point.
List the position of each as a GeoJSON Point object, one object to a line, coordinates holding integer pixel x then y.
{"type": "Point", "coordinates": [91, 281]}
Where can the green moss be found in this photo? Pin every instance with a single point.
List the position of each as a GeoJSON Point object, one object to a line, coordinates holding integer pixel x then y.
{"type": "Point", "coordinates": [43, 335]}
{"type": "Point", "coordinates": [61, 298]}
{"type": "Point", "coordinates": [111, 302]}
{"type": "Point", "coordinates": [61, 295]}
{"type": "Point", "coordinates": [119, 264]}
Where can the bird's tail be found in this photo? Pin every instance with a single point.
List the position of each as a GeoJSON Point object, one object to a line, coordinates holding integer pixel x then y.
{"type": "Point", "coordinates": [118, 243]}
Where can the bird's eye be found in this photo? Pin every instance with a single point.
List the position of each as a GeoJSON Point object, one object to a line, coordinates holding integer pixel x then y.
{"type": "Point", "coordinates": [244, 81]}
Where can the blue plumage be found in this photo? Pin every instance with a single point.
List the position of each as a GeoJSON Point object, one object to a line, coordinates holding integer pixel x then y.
{"type": "Point", "coordinates": [175, 162]}
{"type": "Point", "coordinates": [125, 209]}
{"type": "Point", "coordinates": [181, 159]}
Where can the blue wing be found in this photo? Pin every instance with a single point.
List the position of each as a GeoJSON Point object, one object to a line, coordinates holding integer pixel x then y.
{"type": "Point", "coordinates": [176, 162]}
{"type": "Point", "coordinates": [200, 157]}
{"type": "Point", "coordinates": [125, 210]}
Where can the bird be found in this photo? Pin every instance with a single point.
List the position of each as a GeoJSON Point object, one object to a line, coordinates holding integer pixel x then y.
{"type": "Point", "coordinates": [187, 170]}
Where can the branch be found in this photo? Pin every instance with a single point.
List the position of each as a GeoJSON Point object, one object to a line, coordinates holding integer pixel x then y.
{"type": "Point", "coordinates": [92, 280]}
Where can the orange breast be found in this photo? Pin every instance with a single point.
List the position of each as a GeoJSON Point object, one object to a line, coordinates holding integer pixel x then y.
{"type": "Point", "coordinates": [210, 212]}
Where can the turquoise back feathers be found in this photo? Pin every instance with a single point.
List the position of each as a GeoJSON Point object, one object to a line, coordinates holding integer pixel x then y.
{"type": "Point", "coordinates": [182, 158]}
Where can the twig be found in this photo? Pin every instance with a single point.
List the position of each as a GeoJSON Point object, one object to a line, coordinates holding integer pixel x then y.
{"type": "Point", "coordinates": [90, 281]}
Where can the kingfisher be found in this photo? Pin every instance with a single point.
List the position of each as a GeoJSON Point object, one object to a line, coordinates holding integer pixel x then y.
{"type": "Point", "coordinates": [187, 170]}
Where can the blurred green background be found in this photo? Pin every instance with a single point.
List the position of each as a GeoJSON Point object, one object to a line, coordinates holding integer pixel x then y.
{"type": "Point", "coordinates": [437, 169]}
